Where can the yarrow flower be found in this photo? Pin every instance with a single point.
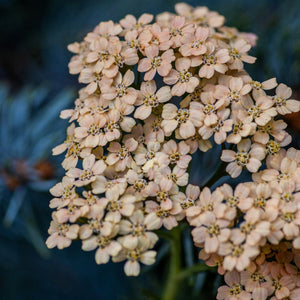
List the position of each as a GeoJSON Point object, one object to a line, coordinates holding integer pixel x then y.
{"type": "Point", "coordinates": [155, 94]}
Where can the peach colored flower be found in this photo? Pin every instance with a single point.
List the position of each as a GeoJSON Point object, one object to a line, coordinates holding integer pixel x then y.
{"type": "Point", "coordinates": [261, 112]}
{"type": "Point", "coordinates": [233, 290]}
{"type": "Point", "coordinates": [130, 22]}
{"type": "Point", "coordinates": [218, 129]}
{"type": "Point", "coordinates": [137, 230]}
{"type": "Point", "coordinates": [61, 235]}
{"type": "Point", "coordinates": [238, 55]}
{"type": "Point", "coordinates": [283, 104]}
{"type": "Point", "coordinates": [185, 119]}
{"type": "Point", "coordinates": [107, 247]}
{"type": "Point", "coordinates": [155, 35]}
{"type": "Point", "coordinates": [243, 158]}
{"type": "Point", "coordinates": [195, 44]}
{"type": "Point", "coordinates": [120, 155]}
{"type": "Point", "coordinates": [156, 63]}
{"type": "Point", "coordinates": [121, 89]}
{"type": "Point", "coordinates": [183, 79]}
{"type": "Point", "coordinates": [149, 99]}
{"type": "Point", "coordinates": [177, 154]}
{"type": "Point", "coordinates": [179, 30]}
{"type": "Point", "coordinates": [91, 168]}
{"type": "Point", "coordinates": [213, 61]}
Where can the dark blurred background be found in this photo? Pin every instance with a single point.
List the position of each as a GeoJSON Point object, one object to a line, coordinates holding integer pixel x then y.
{"type": "Point", "coordinates": [35, 86]}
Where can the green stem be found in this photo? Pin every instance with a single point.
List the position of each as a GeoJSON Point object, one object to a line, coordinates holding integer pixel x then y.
{"type": "Point", "coordinates": [172, 282]}
{"type": "Point", "coordinates": [194, 269]}
{"type": "Point", "coordinates": [220, 172]}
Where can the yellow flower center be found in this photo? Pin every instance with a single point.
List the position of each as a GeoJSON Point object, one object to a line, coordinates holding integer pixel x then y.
{"type": "Point", "coordinates": [184, 76]}
{"type": "Point", "coordinates": [279, 101]}
{"type": "Point", "coordinates": [63, 229]}
{"type": "Point", "coordinates": [151, 100]}
{"type": "Point", "coordinates": [213, 229]}
{"type": "Point", "coordinates": [174, 157]}
{"type": "Point", "coordinates": [235, 289]}
{"type": "Point", "coordinates": [256, 85]}
{"type": "Point", "coordinates": [257, 277]}
{"type": "Point", "coordinates": [237, 250]}
{"type": "Point", "coordinates": [288, 217]}
{"type": "Point", "coordinates": [238, 126]}
{"type": "Point", "coordinates": [232, 201]}
{"type": "Point", "coordinates": [272, 147]}
{"type": "Point", "coordinates": [140, 184]}
{"type": "Point", "coordinates": [259, 202]}
{"type": "Point", "coordinates": [209, 108]}
{"type": "Point", "coordinates": [182, 115]}
{"type": "Point", "coordinates": [187, 203]}
{"type": "Point", "coordinates": [247, 228]}
{"type": "Point", "coordinates": [161, 196]}
{"type": "Point", "coordinates": [234, 53]}
{"type": "Point", "coordinates": [123, 152]}
{"type": "Point", "coordinates": [150, 155]}
{"type": "Point", "coordinates": [121, 90]}
{"type": "Point", "coordinates": [242, 158]}
{"type": "Point", "coordinates": [287, 197]}
{"type": "Point", "coordinates": [94, 129]}
{"type": "Point", "coordinates": [86, 174]}
{"type": "Point", "coordinates": [234, 96]}
{"type": "Point", "coordinates": [254, 111]}
{"type": "Point", "coordinates": [119, 60]}
{"type": "Point", "coordinates": [175, 31]}
{"type": "Point", "coordinates": [156, 62]}
{"type": "Point", "coordinates": [197, 44]}
{"type": "Point", "coordinates": [209, 59]}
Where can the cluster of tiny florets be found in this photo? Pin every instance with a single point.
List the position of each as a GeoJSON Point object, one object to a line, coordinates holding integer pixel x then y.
{"type": "Point", "coordinates": [155, 94]}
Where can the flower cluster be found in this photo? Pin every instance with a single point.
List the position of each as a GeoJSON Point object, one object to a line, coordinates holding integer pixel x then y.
{"type": "Point", "coordinates": [273, 275]}
{"type": "Point", "coordinates": [155, 94]}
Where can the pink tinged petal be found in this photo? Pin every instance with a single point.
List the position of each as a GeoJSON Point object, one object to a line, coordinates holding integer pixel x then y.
{"type": "Point", "coordinates": [88, 161]}
{"type": "Point", "coordinates": [228, 155]}
{"type": "Point", "coordinates": [248, 59]}
{"type": "Point", "coordinates": [184, 161]}
{"type": "Point", "coordinates": [74, 173]}
{"type": "Point", "coordinates": [99, 167]}
{"type": "Point", "coordinates": [168, 56]}
{"type": "Point", "coordinates": [169, 111]}
{"type": "Point", "coordinates": [148, 258]}
{"type": "Point", "coordinates": [152, 51]}
{"type": "Point", "coordinates": [148, 88]}
{"type": "Point", "coordinates": [182, 64]}
{"type": "Point", "coordinates": [132, 268]}
{"type": "Point", "coordinates": [206, 71]}
{"type": "Point", "coordinates": [112, 158]}
{"type": "Point", "coordinates": [143, 112]}
{"type": "Point", "coordinates": [92, 141]}
{"type": "Point", "coordinates": [229, 263]}
{"type": "Point", "coordinates": [150, 74]}
{"type": "Point", "coordinates": [128, 78]}
{"type": "Point", "coordinates": [211, 244]}
{"type": "Point", "coordinates": [234, 170]}
{"type": "Point", "coordinates": [130, 241]}
{"type": "Point", "coordinates": [192, 84]}
{"type": "Point", "coordinates": [80, 132]}
{"type": "Point", "coordinates": [269, 84]}
{"type": "Point", "coordinates": [101, 256]}
{"type": "Point", "coordinates": [172, 77]}
{"type": "Point", "coordinates": [144, 65]}
{"type": "Point", "coordinates": [253, 165]}
{"type": "Point", "coordinates": [178, 89]}
{"type": "Point", "coordinates": [221, 68]}
{"type": "Point", "coordinates": [145, 19]}
{"type": "Point", "coordinates": [236, 83]}
{"type": "Point", "coordinates": [163, 94]}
